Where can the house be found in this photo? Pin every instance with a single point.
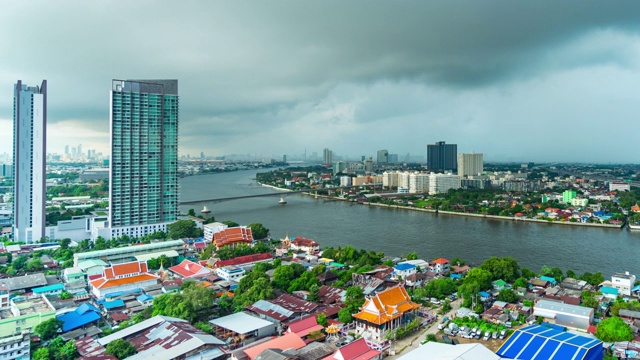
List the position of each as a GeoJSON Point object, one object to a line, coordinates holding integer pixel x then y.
{"type": "Point", "coordinates": [270, 312]}
{"type": "Point", "coordinates": [123, 277]}
{"type": "Point", "coordinates": [92, 267]}
{"type": "Point", "coordinates": [233, 237]}
{"type": "Point", "coordinates": [401, 271]}
{"type": "Point", "coordinates": [230, 273]}
{"type": "Point", "coordinates": [240, 328]}
{"type": "Point", "coordinates": [295, 304]}
{"type": "Point", "coordinates": [420, 264]}
{"type": "Point", "coordinates": [73, 274]}
{"type": "Point", "coordinates": [145, 299]}
{"type": "Point", "coordinates": [439, 265]}
{"type": "Point", "coordinates": [49, 290]}
{"type": "Point", "coordinates": [357, 350]}
{"type": "Point", "coordinates": [609, 292]}
{"type": "Point", "coordinates": [549, 279]}
{"type": "Point", "coordinates": [304, 326]}
{"type": "Point", "coordinates": [462, 270]}
{"type": "Point", "coordinates": [286, 341]}
{"type": "Point", "coordinates": [304, 244]}
{"type": "Point", "coordinates": [159, 338]}
{"type": "Point", "coordinates": [246, 261]}
{"type": "Point", "coordinates": [189, 270]}
{"type": "Point", "coordinates": [327, 277]}
{"type": "Point", "coordinates": [500, 285]}
{"type": "Point", "coordinates": [84, 315]}
{"type": "Point", "coordinates": [571, 316]}
{"type": "Point", "coordinates": [331, 295]}
{"type": "Point", "coordinates": [383, 312]}
{"type": "Point", "coordinates": [24, 283]}
{"type": "Point", "coordinates": [623, 282]}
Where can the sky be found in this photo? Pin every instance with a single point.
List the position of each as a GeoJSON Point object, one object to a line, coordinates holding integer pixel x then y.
{"type": "Point", "coordinates": [538, 81]}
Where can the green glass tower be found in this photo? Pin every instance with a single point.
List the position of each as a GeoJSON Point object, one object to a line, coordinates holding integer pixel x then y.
{"type": "Point", "coordinates": [143, 176]}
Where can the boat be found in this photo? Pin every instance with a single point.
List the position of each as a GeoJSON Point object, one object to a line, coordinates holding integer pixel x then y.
{"type": "Point", "coordinates": [282, 201]}
{"type": "Point", "coordinates": [205, 210]}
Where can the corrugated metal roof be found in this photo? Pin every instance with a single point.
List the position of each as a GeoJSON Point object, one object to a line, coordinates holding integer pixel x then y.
{"type": "Point", "coordinates": [537, 342]}
{"type": "Point", "coordinates": [241, 323]}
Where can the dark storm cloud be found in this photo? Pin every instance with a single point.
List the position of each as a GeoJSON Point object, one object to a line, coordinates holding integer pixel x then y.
{"type": "Point", "coordinates": [253, 69]}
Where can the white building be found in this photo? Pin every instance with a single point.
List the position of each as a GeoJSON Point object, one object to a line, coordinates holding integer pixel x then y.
{"type": "Point", "coordinates": [29, 156]}
{"type": "Point", "coordinates": [390, 179]}
{"type": "Point", "coordinates": [345, 180]}
{"type": "Point", "coordinates": [623, 282]}
{"type": "Point", "coordinates": [441, 183]}
{"type": "Point", "coordinates": [16, 347]}
{"type": "Point", "coordinates": [230, 273]}
{"type": "Point", "coordinates": [418, 183]}
{"type": "Point", "coordinates": [619, 186]}
{"type": "Point", "coordinates": [571, 316]}
{"type": "Point", "coordinates": [210, 229]}
{"type": "Point", "coordinates": [580, 202]}
{"type": "Point", "coordinates": [470, 164]}
{"type": "Point", "coordinates": [403, 179]}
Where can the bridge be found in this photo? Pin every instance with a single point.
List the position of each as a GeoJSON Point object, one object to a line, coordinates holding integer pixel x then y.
{"type": "Point", "coordinates": [281, 193]}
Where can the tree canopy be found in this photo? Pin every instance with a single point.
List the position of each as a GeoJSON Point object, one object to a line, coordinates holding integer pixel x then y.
{"type": "Point", "coordinates": [506, 268]}
{"type": "Point", "coordinates": [508, 295]}
{"type": "Point", "coordinates": [614, 329]}
{"type": "Point", "coordinates": [48, 329]}
{"type": "Point", "coordinates": [183, 229]}
{"type": "Point", "coordinates": [193, 303]}
{"type": "Point", "coordinates": [258, 231]}
{"type": "Point", "coordinates": [121, 349]}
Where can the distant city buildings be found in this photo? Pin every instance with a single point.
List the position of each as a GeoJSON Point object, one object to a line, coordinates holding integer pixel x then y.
{"type": "Point", "coordinates": [29, 154]}
{"type": "Point", "coordinates": [383, 157]}
{"type": "Point", "coordinates": [327, 156]}
{"type": "Point", "coordinates": [470, 164]}
{"type": "Point", "coordinates": [143, 179]}
{"type": "Point", "coordinates": [442, 157]}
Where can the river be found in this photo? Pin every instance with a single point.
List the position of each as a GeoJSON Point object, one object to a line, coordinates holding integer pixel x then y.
{"type": "Point", "coordinates": [397, 232]}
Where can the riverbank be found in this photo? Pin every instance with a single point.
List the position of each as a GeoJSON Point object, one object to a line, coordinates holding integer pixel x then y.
{"type": "Point", "coordinates": [496, 217]}
{"type": "Point", "coordinates": [272, 187]}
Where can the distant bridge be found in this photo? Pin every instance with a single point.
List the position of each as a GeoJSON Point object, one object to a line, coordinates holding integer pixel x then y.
{"type": "Point", "coordinates": [281, 193]}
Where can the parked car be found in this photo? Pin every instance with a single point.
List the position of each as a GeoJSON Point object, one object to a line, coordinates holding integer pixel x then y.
{"type": "Point", "coordinates": [508, 324]}
{"type": "Point", "coordinates": [503, 333]}
{"type": "Point", "coordinates": [494, 335]}
{"type": "Point", "coordinates": [487, 335]}
{"type": "Point", "coordinates": [435, 301]}
{"type": "Point", "coordinates": [446, 339]}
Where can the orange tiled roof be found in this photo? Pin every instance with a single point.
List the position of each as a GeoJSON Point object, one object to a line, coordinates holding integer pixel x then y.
{"type": "Point", "coordinates": [240, 234]}
{"type": "Point", "coordinates": [389, 304]}
{"type": "Point", "coordinates": [635, 208]}
{"type": "Point", "coordinates": [441, 261]}
{"type": "Point", "coordinates": [125, 269]}
{"type": "Point", "coordinates": [103, 283]}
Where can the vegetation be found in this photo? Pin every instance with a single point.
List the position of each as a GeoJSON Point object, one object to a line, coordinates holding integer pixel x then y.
{"type": "Point", "coordinates": [121, 349]}
{"type": "Point", "coordinates": [251, 288]}
{"type": "Point", "coordinates": [506, 268]}
{"type": "Point", "coordinates": [48, 329]}
{"type": "Point", "coordinates": [57, 349]}
{"type": "Point", "coordinates": [614, 329]}
{"type": "Point", "coordinates": [193, 303]}
{"type": "Point", "coordinates": [183, 229]}
{"type": "Point", "coordinates": [508, 295]}
{"type": "Point", "coordinates": [258, 231]}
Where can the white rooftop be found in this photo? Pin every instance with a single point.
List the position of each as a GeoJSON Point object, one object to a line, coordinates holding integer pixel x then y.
{"type": "Point", "coordinates": [438, 351]}
{"type": "Point", "coordinates": [241, 323]}
{"type": "Point", "coordinates": [546, 305]}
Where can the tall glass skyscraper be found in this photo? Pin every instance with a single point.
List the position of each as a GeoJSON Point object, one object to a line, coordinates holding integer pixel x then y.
{"type": "Point", "coordinates": [29, 160]}
{"type": "Point", "coordinates": [442, 157]}
{"type": "Point", "coordinates": [143, 176]}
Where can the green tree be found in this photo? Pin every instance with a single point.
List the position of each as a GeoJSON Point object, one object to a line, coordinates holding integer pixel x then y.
{"type": "Point", "coordinates": [121, 349]}
{"type": "Point", "coordinates": [231, 223]}
{"type": "Point", "coordinates": [183, 229]}
{"type": "Point", "coordinates": [521, 282]}
{"type": "Point", "coordinates": [191, 212]}
{"type": "Point", "coordinates": [412, 256]}
{"type": "Point", "coordinates": [506, 268]}
{"type": "Point", "coordinates": [588, 299]}
{"type": "Point", "coordinates": [304, 282]}
{"type": "Point", "coordinates": [354, 299]}
{"type": "Point", "coordinates": [314, 293]}
{"type": "Point", "coordinates": [258, 231]}
{"type": "Point", "coordinates": [19, 263]}
{"type": "Point", "coordinates": [322, 320]}
{"type": "Point", "coordinates": [48, 329]}
{"type": "Point", "coordinates": [65, 295]}
{"type": "Point", "coordinates": [41, 354]}
{"type": "Point", "coordinates": [261, 290]}
{"type": "Point", "coordinates": [344, 315]}
{"type": "Point", "coordinates": [614, 329]}
{"type": "Point", "coordinates": [508, 295]}
{"type": "Point", "coordinates": [528, 274]}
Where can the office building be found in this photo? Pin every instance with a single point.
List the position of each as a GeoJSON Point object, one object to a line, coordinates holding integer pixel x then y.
{"type": "Point", "coordinates": [368, 165]}
{"type": "Point", "coordinates": [339, 167]}
{"type": "Point", "coordinates": [29, 159]}
{"type": "Point", "coordinates": [383, 157]}
{"type": "Point", "coordinates": [470, 164]}
{"type": "Point", "coordinates": [143, 171]}
{"type": "Point", "coordinates": [393, 158]}
{"type": "Point", "coordinates": [6, 170]}
{"type": "Point", "coordinates": [442, 157]}
{"type": "Point", "coordinates": [327, 156]}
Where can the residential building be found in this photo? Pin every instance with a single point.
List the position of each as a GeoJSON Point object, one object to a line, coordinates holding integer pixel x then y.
{"type": "Point", "coordinates": [439, 265]}
{"type": "Point", "coordinates": [567, 196]}
{"type": "Point", "coordinates": [24, 314]}
{"type": "Point", "coordinates": [419, 183]}
{"type": "Point", "coordinates": [383, 157]}
{"type": "Point", "coordinates": [304, 244]}
{"type": "Point", "coordinates": [122, 278]}
{"type": "Point", "coordinates": [240, 328]}
{"type": "Point", "coordinates": [579, 202]}
{"type": "Point", "coordinates": [441, 183]}
{"type": "Point", "coordinates": [159, 338]}
{"type": "Point", "coordinates": [189, 270]}
{"type": "Point", "coordinates": [368, 165]}
{"type": "Point", "coordinates": [402, 271]}
{"type": "Point", "coordinates": [619, 186]}
{"type": "Point", "coordinates": [571, 316]}
{"type": "Point", "coordinates": [29, 160]}
{"type": "Point", "coordinates": [230, 273]}
{"type": "Point", "coordinates": [385, 311]}
{"type": "Point", "coordinates": [286, 341]}
{"type": "Point", "coordinates": [345, 181]}
{"type": "Point", "coordinates": [540, 342]}
{"type": "Point", "coordinates": [50, 290]}
{"type": "Point", "coordinates": [357, 350]}
{"type": "Point", "coordinates": [470, 164]}
{"type": "Point", "coordinates": [233, 237]}
{"type": "Point", "coordinates": [390, 179]}
{"type": "Point", "coordinates": [16, 347]}
{"type": "Point", "coordinates": [24, 283]}
{"type": "Point", "coordinates": [73, 274]}
{"type": "Point", "coordinates": [327, 156]}
{"type": "Point", "coordinates": [82, 316]}
{"type": "Point", "coordinates": [143, 169]}
{"type": "Point", "coordinates": [623, 282]}
{"type": "Point", "coordinates": [442, 157]}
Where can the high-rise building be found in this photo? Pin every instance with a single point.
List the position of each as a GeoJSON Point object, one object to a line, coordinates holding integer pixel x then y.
{"type": "Point", "coordinates": [470, 164]}
{"type": "Point", "coordinates": [339, 167]}
{"type": "Point", "coordinates": [442, 157]}
{"type": "Point", "coordinates": [383, 157]}
{"type": "Point", "coordinates": [66, 149]}
{"type": "Point", "coordinates": [143, 172]}
{"type": "Point", "coordinates": [368, 165]}
{"type": "Point", "coordinates": [327, 156]}
{"type": "Point", "coordinates": [29, 160]}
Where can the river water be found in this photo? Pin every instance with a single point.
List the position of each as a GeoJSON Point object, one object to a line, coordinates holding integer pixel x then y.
{"type": "Point", "coordinates": [397, 232]}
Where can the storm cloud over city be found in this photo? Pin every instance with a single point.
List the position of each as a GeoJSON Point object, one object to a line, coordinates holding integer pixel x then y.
{"type": "Point", "coordinates": [538, 81]}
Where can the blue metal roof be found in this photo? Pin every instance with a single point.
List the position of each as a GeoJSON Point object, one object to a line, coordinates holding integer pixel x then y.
{"type": "Point", "coordinates": [83, 315]}
{"type": "Point", "coordinates": [403, 267]}
{"type": "Point", "coordinates": [549, 279]}
{"type": "Point", "coordinates": [484, 294]}
{"type": "Point", "coordinates": [538, 342]}
{"type": "Point", "coordinates": [609, 290]}
{"type": "Point", "coordinates": [144, 297]}
{"type": "Point", "coordinates": [44, 289]}
{"type": "Point", "coordinates": [113, 304]}
{"type": "Point", "coordinates": [455, 276]}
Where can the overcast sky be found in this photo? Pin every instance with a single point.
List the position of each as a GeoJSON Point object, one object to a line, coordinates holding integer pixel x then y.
{"type": "Point", "coordinates": [515, 80]}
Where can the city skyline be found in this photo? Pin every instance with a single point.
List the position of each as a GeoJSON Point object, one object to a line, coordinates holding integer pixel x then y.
{"type": "Point", "coordinates": [497, 77]}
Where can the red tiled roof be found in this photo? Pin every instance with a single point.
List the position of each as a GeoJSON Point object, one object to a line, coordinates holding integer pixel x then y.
{"type": "Point", "coordinates": [200, 245]}
{"type": "Point", "coordinates": [240, 234]}
{"type": "Point", "coordinates": [103, 283]}
{"type": "Point", "coordinates": [389, 304]}
{"type": "Point", "coordinates": [189, 269]}
{"type": "Point", "coordinates": [241, 260]}
{"type": "Point", "coordinates": [125, 269]}
{"type": "Point", "coordinates": [441, 261]}
{"type": "Point", "coordinates": [300, 241]}
{"type": "Point", "coordinates": [304, 326]}
{"type": "Point", "coordinates": [357, 350]}
{"type": "Point", "coordinates": [286, 341]}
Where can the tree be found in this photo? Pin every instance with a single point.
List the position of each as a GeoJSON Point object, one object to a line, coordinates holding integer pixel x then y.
{"type": "Point", "coordinates": [65, 295]}
{"type": "Point", "coordinates": [314, 293]}
{"type": "Point", "coordinates": [121, 349]}
{"type": "Point", "coordinates": [344, 315]}
{"type": "Point", "coordinates": [41, 354]}
{"type": "Point", "coordinates": [528, 274]}
{"type": "Point", "coordinates": [412, 256]}
{"type": "Point", "coordinates": [354, 299]}
{"type": "Point", "coordinates": [322, 320]}
{"type": "Point", "coordinates": [520, 283]}
{"type": "Point", "coordinates": [191, 212]}
{"type": "Point", "coordinates": [588, 299]}
{"type": "Point", "coordinates": [614, 329]}
{"type": "Point", "coordinates": [231, 223]}
{"type": "Point", "coordinates": [48, 329]}
{"type": "Point", "coordinates": [19, 263]}
{"type": "Point", "coordinates": [506, 268]}
{"type": "Point", "coordinates": [183, 229]}
{"type": "Point", "coordinates": [258, 231]}
{"type": "Point", "coordinates": [64, 243]}
{"type": "Point", "coordinates": [508, 295]}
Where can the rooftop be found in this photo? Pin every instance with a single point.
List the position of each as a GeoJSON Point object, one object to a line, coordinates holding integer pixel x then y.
{"type": "Point", "coordinates": [241, 323]}
{"type": "Point", "coordinates": [24, 282]}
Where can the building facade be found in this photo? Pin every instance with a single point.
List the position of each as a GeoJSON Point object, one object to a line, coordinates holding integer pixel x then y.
{"type": "Point", "coordinates": [143, 170]}
{"type": "Point", "coordinates": [29, 159]}
{"type": "Point", "coordinates": [624, 282]}
{"type": "Point", "coordinates": [441, 183]}
{"type": "Point", "coordinates": [442, 157]}
{"type": "Point", "coordinates": [383, 157]}
{"type": "Point", "coordinates": [327, 156]}
{"type": "Point", "coordinates": [470, 164]}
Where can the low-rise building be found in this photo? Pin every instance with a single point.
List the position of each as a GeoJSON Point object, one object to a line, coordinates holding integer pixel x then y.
{"type": "Point", "coordinates": [571, 316]}
{"type": "Point", "coordinates": [16, 347]}
{"type": "Point", "coordinates": [304, 244]}
{"type": "Point", "coordinates": [73, 274]}
{"type": "Point", "coordinates": [439, 265]}
{"type": "Point", "coordinates": [402, 271]}
{"type": "Point", "coordinates": [357, 350]}
{"type": "Point", "coordinates": [623, 282]}
{"type": "Point", "coordinates": [122, 278]}
{"type": "Point", "coordinates": [189, 270]}
{"type": "Point", "coordinates": [230, 273]}
{"type": "Point", "coordinates": [51, 290]}
{"type": "Point", "coordinates": [240, 329]}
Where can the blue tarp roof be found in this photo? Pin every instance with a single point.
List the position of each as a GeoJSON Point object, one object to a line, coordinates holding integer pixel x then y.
{"type": "Point", "coordinates": [113, 304]}
{"type": "Point", "coordinates": [83, 315]}
{"type": "Point", "coordinates": [455, 276]}
{"type": "Point", "coordinates": [545, 343]}
{"type": "Point", "coordinates": [549, 279]}
{"type": "Point", "coordinates": [484, 294]}
{"type": "Point", "coordinates": [609, 290]}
